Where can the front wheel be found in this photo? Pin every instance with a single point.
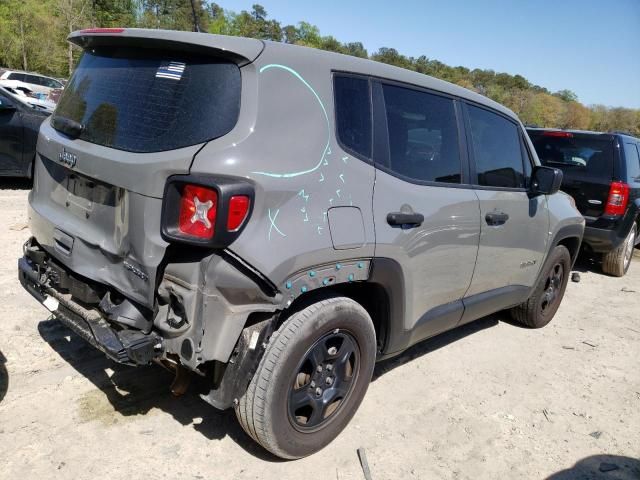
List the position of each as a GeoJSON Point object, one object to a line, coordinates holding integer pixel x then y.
{"type": "Point", "coordinates": [310, 382]}
{"type": "Point", "coordinates": [543, 304]}
{"type": "Point", "coordinates": [617, 262]}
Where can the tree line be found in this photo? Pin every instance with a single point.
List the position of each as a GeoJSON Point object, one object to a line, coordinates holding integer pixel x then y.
{"type": "Point", "coordinates": [33, 37]}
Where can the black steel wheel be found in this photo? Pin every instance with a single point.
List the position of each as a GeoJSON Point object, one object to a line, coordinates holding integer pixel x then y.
{"type": "Point", "coordinates": [323, 380]}
{"type": "Point", "coordinates": [548, 292]}
{"type": "Point", "coordinates": [311, 379]}
{"type": "Point", "coordinates": [552, 288]}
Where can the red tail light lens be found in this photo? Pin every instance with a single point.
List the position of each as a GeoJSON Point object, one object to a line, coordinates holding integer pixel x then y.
{"type": "Point", "coordinates": [102, 30]}
{"type": "Point", "coordinates": [238, 210]}
{"type": "Point", "coordinates": [557, 134]}
{"type": "Point", "coordinates": [618, 199]}
{"type": "Point", "coordinates": [198, 209]}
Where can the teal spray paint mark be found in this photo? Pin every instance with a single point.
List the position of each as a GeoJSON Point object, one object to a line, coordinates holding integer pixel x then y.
{"type": "Point", "coordinates": [326, 116]}
{"type": "Point", "coordinates": [273, 225]}
{"type": "Point", "coordinates": [341, 177]}
{"type": "Point", "coordinates": [321, 177]}
{"type": "Point", "coordinates": [304, 195]}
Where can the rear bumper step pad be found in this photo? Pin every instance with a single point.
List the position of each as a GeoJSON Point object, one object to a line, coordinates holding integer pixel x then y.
{"type": "Point", "coordinates": [130, 347]}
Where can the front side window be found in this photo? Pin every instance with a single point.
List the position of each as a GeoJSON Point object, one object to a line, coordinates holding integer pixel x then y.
{"type": "Point", "coordinates": [423, 135]}
{"type": "Point", "coordinates": [496, 148]}
{"type": "Point", "coordinates": [353, 114]}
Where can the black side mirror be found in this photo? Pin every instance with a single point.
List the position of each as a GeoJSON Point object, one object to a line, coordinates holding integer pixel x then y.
{"type": "Point", "coordinates": [545, 180]}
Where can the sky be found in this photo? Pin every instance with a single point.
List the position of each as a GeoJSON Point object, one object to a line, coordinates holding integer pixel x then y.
{"type": "Point", "coordinates": [587, 46]}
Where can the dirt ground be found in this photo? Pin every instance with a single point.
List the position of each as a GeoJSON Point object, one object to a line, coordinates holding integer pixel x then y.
{"type": "Point", "coordinates": [489, 400]}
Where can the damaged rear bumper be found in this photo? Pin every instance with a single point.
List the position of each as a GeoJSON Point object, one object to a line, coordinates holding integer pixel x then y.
{"type": "Point", "coordinates": [42, 279]}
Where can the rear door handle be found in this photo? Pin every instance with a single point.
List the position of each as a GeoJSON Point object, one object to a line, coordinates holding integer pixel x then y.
{"type": "Point", "coordinates": [496, 218]}
{"type": "Point", "coordinates": [405, 220]}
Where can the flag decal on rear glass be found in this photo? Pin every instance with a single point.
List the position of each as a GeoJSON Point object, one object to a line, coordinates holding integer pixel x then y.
{"type": "Point", "coordinates": [171, 70]}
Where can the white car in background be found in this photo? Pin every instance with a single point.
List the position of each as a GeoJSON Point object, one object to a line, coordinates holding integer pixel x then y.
{"type": "Point", "coordinates": [39, 84]}
{"type": "Point", "coordinates": [23, 95]}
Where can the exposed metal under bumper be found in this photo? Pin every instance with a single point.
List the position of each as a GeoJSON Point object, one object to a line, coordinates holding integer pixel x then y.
{"type": "Point", "coordinates": [130, 347]}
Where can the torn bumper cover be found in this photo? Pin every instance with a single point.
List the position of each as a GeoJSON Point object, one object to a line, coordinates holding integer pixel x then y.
{"type": "Point", "coordinates": [41, 277]}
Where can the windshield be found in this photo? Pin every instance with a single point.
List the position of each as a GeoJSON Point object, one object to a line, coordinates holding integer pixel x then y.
{"type": "Point", "coordinates": [143, 100]}
{"type": "Point", "coordinates": [587, 155]}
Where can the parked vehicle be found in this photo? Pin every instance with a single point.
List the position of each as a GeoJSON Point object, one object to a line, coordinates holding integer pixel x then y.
{"type": "Point", "coordinates": [36, 82]}
{"type": "Point", "coordinates": [602, 174]}
{"type": "Point", "coordinates": [242, 239]}
{"type": "Point", "coordinates": [25, 95]}
{"type": "Point", "coordinates": [19, 125]}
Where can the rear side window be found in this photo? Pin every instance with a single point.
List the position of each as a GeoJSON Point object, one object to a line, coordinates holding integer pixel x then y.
{"type": "Point", "coordinates": [142, 100]}
{"type": "Point", "coordinates": [496, 148]}
{"type": "Point", "coordinates": [423, 135]}
{"type": "Point", "coordinates": [633, 160]}
{"type": "Point", "coordinates": [353, 114]}
{"type": "Point", "coordinates": [16, 76]}
{"type": "Point", "coordinates": [582, 155]}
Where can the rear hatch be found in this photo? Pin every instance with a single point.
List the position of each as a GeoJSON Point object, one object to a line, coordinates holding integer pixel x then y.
{"type": "Point", "coordinates": [587, 161]}
{"type": "Point", "coordinates": [137, 109]}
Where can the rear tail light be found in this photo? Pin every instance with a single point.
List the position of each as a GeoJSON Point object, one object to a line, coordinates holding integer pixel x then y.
{"type": "Point", "coordinates": [237, 212]}
{"type": "Point", "coordinates": [205, 210]}
{"type": "Point", "coordinates": [618, 199]}
{"type": "Point", "coordinates": [198, 208]}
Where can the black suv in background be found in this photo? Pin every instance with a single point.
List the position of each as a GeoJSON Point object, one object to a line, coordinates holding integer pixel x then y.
{"type": "Point", "coordinates": [602, 174]}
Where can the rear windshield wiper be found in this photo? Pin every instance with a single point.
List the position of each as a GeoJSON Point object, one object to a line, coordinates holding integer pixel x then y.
{"type": "Point", "coordinates": [69, 127]}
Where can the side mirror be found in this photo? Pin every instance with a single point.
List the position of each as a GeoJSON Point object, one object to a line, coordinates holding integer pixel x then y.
{"type": "Point", "coordinates": [545, 180]}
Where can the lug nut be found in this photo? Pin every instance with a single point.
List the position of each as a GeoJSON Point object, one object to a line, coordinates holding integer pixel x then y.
{"type": "Point", "coordinates": [318, 391]}
{"type": "Point", "coordinates": [329, 367]}
{"type": "Point", "coordinates": [332, 351]}
{"type": "Point", "coordinates": [319, 368]}
{"type": "Point", "coordinates": [328, 380]}
{"type": "Point", "coordinates": [313, 384]}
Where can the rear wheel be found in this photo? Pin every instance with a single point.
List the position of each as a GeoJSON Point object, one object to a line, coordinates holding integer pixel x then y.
{"type": "Point", "coordinates": [543, 304]}
{"type": "Point", "coordinates": [617, 262]}
{"type": "Point", "coordinates": [311, 379]}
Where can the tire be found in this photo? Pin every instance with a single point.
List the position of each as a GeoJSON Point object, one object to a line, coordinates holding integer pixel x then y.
{"type": "Point", "coordinates": [337, 328]}
{"type": "Point", "coordinates": [617, 262]}
{"type": "Point", "coordinates": [547, 295]}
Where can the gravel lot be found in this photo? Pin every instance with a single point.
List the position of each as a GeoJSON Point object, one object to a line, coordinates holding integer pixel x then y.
{"type": "Point", "coordinates": [489, 400]}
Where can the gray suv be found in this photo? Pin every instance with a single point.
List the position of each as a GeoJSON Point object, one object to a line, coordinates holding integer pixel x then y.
{"type": "Point", "coordinates": [275, 219]}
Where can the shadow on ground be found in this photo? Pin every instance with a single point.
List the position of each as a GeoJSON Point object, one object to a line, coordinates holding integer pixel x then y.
{"type": "Point", "coordinates": [439, 341]}
{"type": "Point", "coordinates": [11, 183]}
{"type": "Point", "coordinates": [596, 467]}
{"type": "Point", "coordinates": [136, 390]}
{"type": "Point", "coordinates": [4, 377]}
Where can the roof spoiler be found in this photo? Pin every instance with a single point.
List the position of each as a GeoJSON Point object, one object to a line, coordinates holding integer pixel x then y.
{"type": "Point", "coordinates": [240, 50]}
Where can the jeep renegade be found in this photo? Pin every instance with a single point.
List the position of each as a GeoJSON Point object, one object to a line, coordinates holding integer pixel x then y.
{"type": "Point", "coordinates": [275, 219]}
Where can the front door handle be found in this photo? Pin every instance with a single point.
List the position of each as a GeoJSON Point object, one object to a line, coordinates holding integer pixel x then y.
{"type": "Point", "coordinates": [496, 218]}
{"type": "Point", "coordinates": [405, 220]}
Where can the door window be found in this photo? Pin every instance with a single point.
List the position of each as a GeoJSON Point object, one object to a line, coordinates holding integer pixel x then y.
{"type": "Point", "coordinates": [423, 135]}
{"type": "Point", "coordinates": [496, 147]}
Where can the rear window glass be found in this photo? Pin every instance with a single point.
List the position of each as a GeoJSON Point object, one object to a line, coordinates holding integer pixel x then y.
{"type": "Point", "coordinates": [149, 101]}
{"type": "Point", "coordinates": [633, 160]}
{"type": "Point", "coordinates": [584, 155]}
{"type": "Point", "coordinates": [353, 114]}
